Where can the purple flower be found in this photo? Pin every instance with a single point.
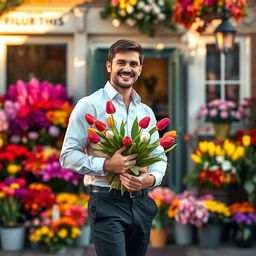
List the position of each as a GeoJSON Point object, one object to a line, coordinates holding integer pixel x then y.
{"type": "Point", "coordinates": [21, 192]}
{"type": "Point", "coordinates": [54, 131]}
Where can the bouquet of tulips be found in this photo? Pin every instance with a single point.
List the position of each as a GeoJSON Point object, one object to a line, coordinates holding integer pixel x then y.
{"type": "Point", "coordinates": [111, 139]}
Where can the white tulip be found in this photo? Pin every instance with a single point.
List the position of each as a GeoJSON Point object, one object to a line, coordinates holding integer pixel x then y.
{"type": "Point", "coordinates": [116, 23]}
{"type": "Point", "coordinates": [161, 16]}
{"type": "Point", "coordinates": [214, 168]}
{"type": "Point", "coordinates": [226, 166]}
{"type": "Point", "coordinates": [130, 22]}
{"type": "Point", "coordinates": [109, 135]}
{"type": "Point", "coordinates": [129, 9]}
{"type": "Point", "coordinates": [122, 13]}
{"type": "Point", "coordinates": [220, 159]}
{"type": "Point", "coordinates": [145, 137]}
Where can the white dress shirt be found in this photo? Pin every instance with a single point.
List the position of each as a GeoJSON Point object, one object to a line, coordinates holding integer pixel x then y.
{"type": "Point", "coordinates": [76, 154]}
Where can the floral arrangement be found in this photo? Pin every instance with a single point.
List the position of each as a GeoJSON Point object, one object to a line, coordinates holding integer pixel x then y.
{"type": "Point", "coordinates": [244, 215]}
{"type": "Point", "coordinates": [216, 164]}
{"type": "Point", "coordinates": [247, 179]}
{"type": "Point", "coordinates": [12, 159]}
{"type": "Point", "coordinates": [145, 14]}
{"type": "Point", "coordinates": [221, 111]}
{"type": "Point", "coordinates": [37, 112]}
{"type": "Point", "coordinates": [218, 212]}
{"type": "Point", "coordinates": [163, 198]}
{"type": "Point", "coordinates": [39, 198]}
{"type": "Point", "coordinates": [12, 190]}
{"type": "Point", "coordinates": [189, 12]}
{"type": "Point", "coordinates": [187, 209]}
{"type": "Point", "coordinates": [109, 140]}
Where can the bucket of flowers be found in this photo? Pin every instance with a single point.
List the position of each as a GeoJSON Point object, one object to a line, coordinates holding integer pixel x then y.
{"type": "Point", "coordinates": [163, 198]}
{"type": "Point", "coordinates": [145, 14]}
{"type": "Point", "coordinates": [189, 12]}
{"type": "Point", "coordinates": [244, 218]}
{"type": "Point", "coordinates": [215, 168]}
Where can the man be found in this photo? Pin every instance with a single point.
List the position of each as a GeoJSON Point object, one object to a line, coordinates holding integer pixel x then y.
{"type": "Point", "coordinates": [120, 224]}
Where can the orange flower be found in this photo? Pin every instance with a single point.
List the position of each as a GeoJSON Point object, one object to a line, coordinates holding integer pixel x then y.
{"type": "Point", "coordinates": [244, 207]}
{"type": "Point", "coordinates": [173, 209]}
{"type": "Point", "coordinates": [65, 221]}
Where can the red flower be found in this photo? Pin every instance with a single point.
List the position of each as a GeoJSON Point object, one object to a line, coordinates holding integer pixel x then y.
{"type": "Point", "coordinates": [166, 142]}
{"type": "Point", "coordinates": [110, 108]}
{"type": "Point", "coordinates": [90, 119]}
{"type": "Point", "coordinates": [127, 141]}
{"type": "Point", "coordinates": [162, 124]}
{"type": "Point", "coordinates": [93, 138]}
{"type": "Point", "coordinates": [100, 126]}
{"type": "Point", "coordinates": [144, 122]}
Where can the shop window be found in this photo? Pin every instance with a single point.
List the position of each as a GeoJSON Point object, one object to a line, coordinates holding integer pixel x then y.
{"type": "Point", "coordinates": [222, 76]}
{"type": "Point", "coordinates": [44, 62]}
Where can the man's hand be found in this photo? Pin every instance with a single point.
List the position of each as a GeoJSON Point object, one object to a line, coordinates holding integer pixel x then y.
{"type": "Point", "coordinates": [134, 183]}
{"type": "Point", "coordinates": [119, 163]}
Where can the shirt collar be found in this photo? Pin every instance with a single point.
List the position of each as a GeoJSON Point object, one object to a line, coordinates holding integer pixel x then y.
{"type": "Point", "coordinates": [112, 92]}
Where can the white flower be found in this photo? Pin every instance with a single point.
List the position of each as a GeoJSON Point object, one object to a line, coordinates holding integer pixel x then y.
{"type": "Point", "coordinates": [206, 165]}
{"type": "Point", "coordinates": [161, 2]}
{"type": "Point", "coordinates": [156, 9]}
{"type": "Point", "coordinates": [130, 22]}
{"type": "Point", "coordinates": [129, 9]}
{"type": "Point", "coordinates": [140, 16]}
{"type": "Point", "coordinates": [147, 8]}
{"type": "Point", "coordinates": [122, 13]}
{"type": "Point", "coordinates": [109, 135]}
{"type": "Point", "coordinates": [220, 159]}
{"type": "Point", "coordinates": [116, 23]}
{"type": "Point", "coordinates": [140, 5]}
{"type": "Point", "coordinates": [214, 168]}
{"type": "Point", "coordinates": [226, 166]}
{"type": "Point", "coordinates": [145, 137]}
{"type": "Point", "coordinates": [161, 16]}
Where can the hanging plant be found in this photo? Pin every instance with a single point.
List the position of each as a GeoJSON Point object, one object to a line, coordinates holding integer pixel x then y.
{"type": "Point", "coordinates": [6, 5]}
{"type": "Point", "coordinates": [145, 14]}
{"type": "Point", "coordinates": [187, 12]}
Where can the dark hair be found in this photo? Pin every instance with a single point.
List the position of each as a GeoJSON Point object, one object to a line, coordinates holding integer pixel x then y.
{"type": "Point", "coordinates": [124, 45]}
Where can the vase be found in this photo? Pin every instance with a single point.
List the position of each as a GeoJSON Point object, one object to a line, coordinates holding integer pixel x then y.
{"type": "Point", "coordinates": [158, 238]}
{"type": "Point", "coordinates": [221, 131]}
{"type": "Point", "coordinates": [183, 233]}
{"type": "Point", "coordinates": [243, 237]}
{"type": "Point", "coordinates": [223, 195]}
{"type": "Point", "coordinates": [209, 236]}
{"type": "Point", "coordinates": [84, 238]}
{"type": "Point", "coordinates": [12, 238]}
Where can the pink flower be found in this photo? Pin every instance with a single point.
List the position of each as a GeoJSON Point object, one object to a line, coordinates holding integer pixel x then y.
{"type": "Point", "coordinates": [224, 114]}
{"type": "Point", "coordinates": [213, 112]}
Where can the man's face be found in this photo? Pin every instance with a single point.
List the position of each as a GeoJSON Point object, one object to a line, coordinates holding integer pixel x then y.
{"type": "Point", "coordinates": [124, 69]}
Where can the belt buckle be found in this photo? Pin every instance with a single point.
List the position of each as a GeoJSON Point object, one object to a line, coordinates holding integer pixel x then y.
{"type": "Point", "coordinates": [134, 194]}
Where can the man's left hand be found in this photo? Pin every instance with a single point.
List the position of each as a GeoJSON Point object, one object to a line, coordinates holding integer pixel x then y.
{"type": "Point", "coordinates": [136, 183]}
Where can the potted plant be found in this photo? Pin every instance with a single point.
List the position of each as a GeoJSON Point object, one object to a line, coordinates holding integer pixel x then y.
{"type": "Point", "coordinates": [244, 218]}
{"type": "Point", "coordinates": [187, 212]}
{"type": "Point", "coordinates": [209, 234]}
{"type": "Point", "coordinates": [215, 168]}
{"type": "Point", "coordinates": [12, 190]}
{"type": "Point", "coordinates": [221, 113]}
{"type": "Point", "coordinates": [145, 14]}
{"type": "Point", "coordinates": [188, 12]}
{"type": "Point", "coordinates": [163, 197]}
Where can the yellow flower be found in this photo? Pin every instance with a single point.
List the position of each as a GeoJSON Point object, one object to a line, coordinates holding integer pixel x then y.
{"type": "Point", "coordinates": [239, 153]}
{"type": "Point", "coordinates": [203, 146]}
{"type": "Point", "coordinates": [211, 148]}
{"type": "Point", "coordinates": [246, 140]}
{"type": "Point", "coordinates": [218, 207]}
{"type": "Point", "coordinates": [2, 195]}
{"type": "Point", "coordinates": [75, 232]}
{"type": "Point", "coordinates": [1, 142]}
{"type": "Point", "coordinates": [219, 151]}
{"type": "Point", "coordinates": [197, 159]}
{"type": "Point", "coordinates": [45, 230]}
{"type": "Point", "coordinates": [63, 233]}
{"type": "Point", "coordinates": [15, 185]}
{"type": "Point", "coordinates": [13, 168]}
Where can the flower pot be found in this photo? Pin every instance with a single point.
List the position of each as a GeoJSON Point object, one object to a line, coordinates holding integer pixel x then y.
{"type": "Point", "coordinates": [12, 238]}
{"type": "Point", "coordinates": [209, 236]}
{"type": "Point", "coordinates": [84, 238]}
{"type": "Point", "coordinates": [222, 131]}
{"type": "Point", "coordinates": [183, 233]}
{"type": "Point", "coordinates": [158, 238]}
{"type": "Point", "coordinates": [244, 237]}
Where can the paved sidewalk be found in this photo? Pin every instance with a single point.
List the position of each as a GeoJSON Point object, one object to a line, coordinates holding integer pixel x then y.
{"type": "Point", "coordinates": [170, 250]}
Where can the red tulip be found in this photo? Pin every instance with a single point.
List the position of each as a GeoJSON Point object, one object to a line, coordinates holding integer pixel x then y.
{"type": "Point", "coordinates": [90, 119]}
{"type": "Point", "coordinates": [127, 141]}
{"type": "Point", "coordinates": [110, 108]}
{"type": "Point", "coordinates": [100, 126]}
{"type": "Point", "coordinates": [162, 124]}
{"type": "Point", "coordinates": [94, 138]}
{"type": "Point", "coordinates": [166, 142]}
{"type": "Point", "coordinates": [144, 122]}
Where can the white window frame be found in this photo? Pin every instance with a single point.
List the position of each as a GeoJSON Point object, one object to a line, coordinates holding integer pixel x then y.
{"type": "Point", "coordinates": [40, 40]}
{"type": "Point", "coordinates": [197, 80]}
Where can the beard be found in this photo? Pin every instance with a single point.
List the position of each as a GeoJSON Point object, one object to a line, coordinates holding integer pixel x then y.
{"type": "Point", "coordinates": [117, 79]}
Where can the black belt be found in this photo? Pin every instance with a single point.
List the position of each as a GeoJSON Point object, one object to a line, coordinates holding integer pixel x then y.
{"type": "Point", "coordinates": [131, 194]}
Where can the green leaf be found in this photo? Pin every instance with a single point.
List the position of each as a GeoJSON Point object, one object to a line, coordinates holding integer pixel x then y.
{"type": "Point", "coordinates": [135, 170]}
{"type": "Point", "coordinates": [122, 129]}
{"type": "Point", "coordinates": [135, 129]}
{"type": "Point", "coordinates": [115, 183]}
{"type": "Point", "coordinates": [123, 189]}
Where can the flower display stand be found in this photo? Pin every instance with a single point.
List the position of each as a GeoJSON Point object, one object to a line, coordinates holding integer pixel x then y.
{"type": "Point", "coordinates": [183, 233]}
{"type": "Point", "coordinates": [209, 236]}
{"type": "Point", "coordinates": [12, 238]}
{"type": "Point", "coordinates": [158, 238]}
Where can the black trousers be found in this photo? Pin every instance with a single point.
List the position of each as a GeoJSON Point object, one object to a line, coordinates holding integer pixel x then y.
{"type": "Point", "coordinates": [121, 225]}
